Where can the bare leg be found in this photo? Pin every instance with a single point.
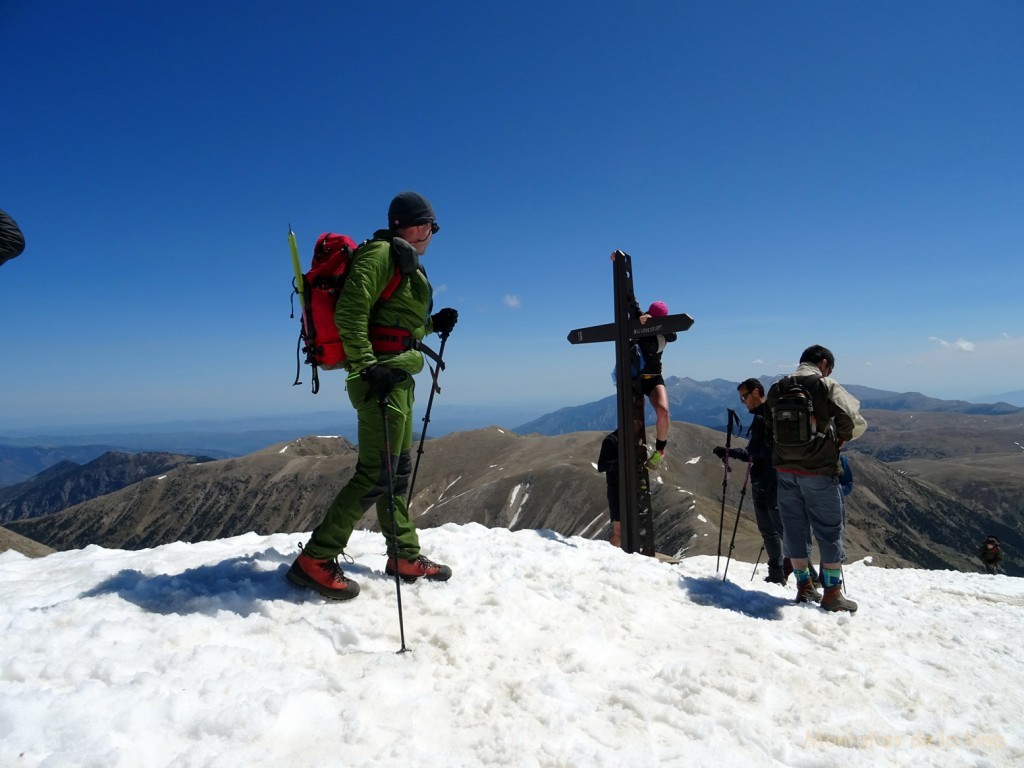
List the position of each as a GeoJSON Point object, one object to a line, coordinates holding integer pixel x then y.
{"type": "Point", "coordinates": [659, 401]}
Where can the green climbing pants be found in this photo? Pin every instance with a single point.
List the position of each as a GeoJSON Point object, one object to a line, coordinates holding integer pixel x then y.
{"type": "Point", "coordinates": [369, 485]}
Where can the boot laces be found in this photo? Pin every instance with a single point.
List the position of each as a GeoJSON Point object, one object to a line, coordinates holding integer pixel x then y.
{"type": "Point", "coordinates": [344, 556]}
{"type": "Point", "coordinates": [333, 569]}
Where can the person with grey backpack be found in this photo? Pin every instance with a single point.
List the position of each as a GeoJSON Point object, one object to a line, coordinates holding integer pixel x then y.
{"type": "Point", "coordinates": [811, 417]}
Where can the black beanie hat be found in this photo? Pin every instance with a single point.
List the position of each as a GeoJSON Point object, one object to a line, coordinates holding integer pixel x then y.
{"type": "Point", "coordinates": [407, 209]}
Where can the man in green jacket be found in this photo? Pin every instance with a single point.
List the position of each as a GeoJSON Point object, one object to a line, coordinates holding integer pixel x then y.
{"type": "Point", "coordinates": [381, 340]}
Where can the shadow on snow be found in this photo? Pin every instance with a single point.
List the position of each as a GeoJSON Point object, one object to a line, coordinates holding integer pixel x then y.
{"type": "Point", "coordinates": [239, 584]}
{"type": "Point", "coordinates": [714, 592]}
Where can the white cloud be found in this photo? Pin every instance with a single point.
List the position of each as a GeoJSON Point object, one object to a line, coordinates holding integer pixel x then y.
{"type": "Point", "coordinates": [440, 288]}
{"type": "Point", "coordinates": [511, 300]}
{"type": "Point", "coordinates": [960, 344]}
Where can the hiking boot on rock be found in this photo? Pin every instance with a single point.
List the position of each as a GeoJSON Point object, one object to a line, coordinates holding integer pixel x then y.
{"type": "Point", "coordinates": [323, 576]}
{"type": "Point", "coordinates": [655, 459]}
{"type": "Point", "coordinates": [410, 570]}
{"type": "Point", "coordinates": [834, 600]}
{"type": "Point", "coordinates": [806, 592]}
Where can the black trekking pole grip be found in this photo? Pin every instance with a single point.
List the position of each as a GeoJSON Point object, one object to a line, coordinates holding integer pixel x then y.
{"type": "Point", "coordinates": [388, 468]}
{"type": "Point", "coordinates": [426, 415]}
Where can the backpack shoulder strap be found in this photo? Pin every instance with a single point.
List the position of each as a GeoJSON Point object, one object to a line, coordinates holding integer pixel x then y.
{"type": "Point", "coordinates": [406, 261]}
{"type": "Point", "coordinates": [392, 285]}
{"type": "Point", "coordinates": [775, 390]}
{"type": "Point", "coordinates": [403, 256]}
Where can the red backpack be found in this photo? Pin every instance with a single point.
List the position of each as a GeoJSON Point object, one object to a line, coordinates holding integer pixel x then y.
{"type": "Point", "coordinates": [318, 291]}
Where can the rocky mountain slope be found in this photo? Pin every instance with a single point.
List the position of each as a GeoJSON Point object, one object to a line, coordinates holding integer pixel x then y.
{"type": "Point", "coordinates": [18, 543]}
{"type": "Point", "coordinates": [67, 483]}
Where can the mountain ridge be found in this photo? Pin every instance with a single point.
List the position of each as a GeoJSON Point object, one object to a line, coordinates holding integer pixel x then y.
{"type": "Point", "coordinates": [67, 483]}
{"type": "Point", "coordinates": [706, 403]}
{"type": "Point", "coordinates": [498, 478]}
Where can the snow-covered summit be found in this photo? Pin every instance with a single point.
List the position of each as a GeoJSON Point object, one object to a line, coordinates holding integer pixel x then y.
{"type": "Point", "coordinates": [541, 651]}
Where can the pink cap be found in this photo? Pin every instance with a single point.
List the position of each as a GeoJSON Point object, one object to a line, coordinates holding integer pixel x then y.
{"type": "Point", "coordinates": [658, 309]}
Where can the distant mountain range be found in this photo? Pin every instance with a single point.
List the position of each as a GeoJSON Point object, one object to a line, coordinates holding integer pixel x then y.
{"type": "Point", "coordinates": [706, 403]}
{"type": "Point", "coordinates": [24, 454]}
{"type": "Point", "coordinates": [925, 512]}
{"type": "Point", "coordinates": [1013, 398]}
{"type": "Point", "coordinates": [932, 478]}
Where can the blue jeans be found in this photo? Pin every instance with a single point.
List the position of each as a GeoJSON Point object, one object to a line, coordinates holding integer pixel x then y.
{"type": "Point", "coordinates": [811, 504]}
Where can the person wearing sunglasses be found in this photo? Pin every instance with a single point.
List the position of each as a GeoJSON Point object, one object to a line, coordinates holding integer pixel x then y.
{"type": "Point", "coordinates": [380, 369]}
{"type": "Point", "coordinates": [763, 482]}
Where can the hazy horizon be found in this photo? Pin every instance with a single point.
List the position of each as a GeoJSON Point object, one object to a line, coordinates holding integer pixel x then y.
{"type": "Point", "coordinates": [339, 412]}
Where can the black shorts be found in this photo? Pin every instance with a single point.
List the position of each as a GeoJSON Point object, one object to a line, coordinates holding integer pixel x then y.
{"type": "Point", "coordinates": [648, 383]}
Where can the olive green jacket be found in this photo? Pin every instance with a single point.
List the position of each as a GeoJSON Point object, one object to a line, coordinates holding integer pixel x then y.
{"type": "Point", "coordinates": [358, 307]}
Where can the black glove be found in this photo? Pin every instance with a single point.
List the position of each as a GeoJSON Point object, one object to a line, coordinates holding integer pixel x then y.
{"type": "Point", "coordinates": [445, 320]}
{"type": "Point", "coordinates": [719, 451]}
{"type": "Point", "coordinates": [381, 380]}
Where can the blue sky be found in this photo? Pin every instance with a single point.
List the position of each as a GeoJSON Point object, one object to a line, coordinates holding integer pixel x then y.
{"type": "Point", "coordinates": [787, 173]}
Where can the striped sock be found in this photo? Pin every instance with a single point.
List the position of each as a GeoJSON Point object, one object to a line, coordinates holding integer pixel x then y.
{"type": "Point", "coordinates": [833, 577]}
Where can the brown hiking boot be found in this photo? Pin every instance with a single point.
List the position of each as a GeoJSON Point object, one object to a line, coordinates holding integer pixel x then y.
{"type": "Point", "coordinates": [410, 570]}
{"type": "Point", "coordinates": [806, 592]}
{"type": "Point", "coordinates": [323, 576]}
{"type": "Point", "coordinates": [834, 600]}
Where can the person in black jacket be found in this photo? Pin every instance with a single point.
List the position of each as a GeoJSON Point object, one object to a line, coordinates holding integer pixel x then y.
{"type": "Point", "coordinates": [763, 481]}
{"type": "Point", "coordinates": [12, 242]}
{"type": "Point", "coordinates": [608, 462]}
{"type": "Point", "coordinates": [991, 555]}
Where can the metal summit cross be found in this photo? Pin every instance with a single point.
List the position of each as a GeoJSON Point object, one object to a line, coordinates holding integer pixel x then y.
{"type": "Point", "coordinates": [636, 514]}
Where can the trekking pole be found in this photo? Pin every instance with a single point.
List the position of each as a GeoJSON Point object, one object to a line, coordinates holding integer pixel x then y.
{"type": "Point", "coordinates": [732, 543]}
{"type": "Point", "coordinates": [757, 563]}
{"type": "Point", "coordinates": [426, 416]}
{"type": "Point", "coordinates": [733, 418]}
{"type": "Point", "coordinates": [391, 510]}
